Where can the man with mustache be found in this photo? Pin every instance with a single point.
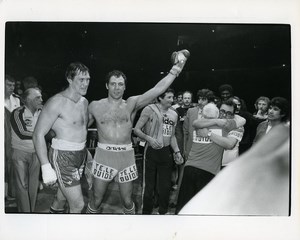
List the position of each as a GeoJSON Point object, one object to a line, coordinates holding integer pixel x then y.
{"type": "Point", "coordinates": [114, 157]}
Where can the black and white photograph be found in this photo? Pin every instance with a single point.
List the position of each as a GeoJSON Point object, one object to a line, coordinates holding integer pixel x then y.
{"type": "Point", "coordinates": [148, 122]}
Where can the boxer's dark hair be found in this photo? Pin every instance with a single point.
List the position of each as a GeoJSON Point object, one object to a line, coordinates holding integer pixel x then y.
{"type": "Point", "coordinates": [75, 68]}
{"type": "Point", "coordinates": [116, 73]}
{"type": "Point", "coordinates": [169, 90]}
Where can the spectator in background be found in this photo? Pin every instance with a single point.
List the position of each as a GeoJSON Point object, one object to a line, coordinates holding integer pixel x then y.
{"type": "Point", "coordinates": [249, 127]}
{"type": "Point", "coordinates": [25, 161]}
{"type": "Point", "coordinates": [204, 97]}
{"type": "Point", "coordinates": [30, 82]}
{"type": "Point", "coordinates": [238, 134]}
{"type": "Point", "coordinates": [179, 101]}
{"type": "Point", "coordinates": [158, 121]}
{"type": "Point", "coordinates": [262, 106]}
{"type": "Point", "coordinates": [18, 88]}
{"type": "Point", "coordinates": [225, 91]}
{"type": "Point", "coordinates": [187, 103]}
{"type": "Point", "coordinates": [278, 113]}
{"type": "Point", "coordinates": [11, 102]}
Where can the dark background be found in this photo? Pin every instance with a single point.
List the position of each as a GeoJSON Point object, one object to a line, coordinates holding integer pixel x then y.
{"type": "Point", "coordinates": [254, 58]}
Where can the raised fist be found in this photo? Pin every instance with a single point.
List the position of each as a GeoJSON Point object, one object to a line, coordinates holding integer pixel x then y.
{"type": "Point", "coordinates": [178, 60]}
{"type": "Point", "coordinates": [180, 56]}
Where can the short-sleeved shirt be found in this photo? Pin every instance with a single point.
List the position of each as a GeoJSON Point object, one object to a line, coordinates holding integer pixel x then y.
{"type": "Point", "coordinates": [205, 154]}
{"type": "Point", "coordinates": [169, 120]}
{"type": "Point", "coordinates": [230, 155]}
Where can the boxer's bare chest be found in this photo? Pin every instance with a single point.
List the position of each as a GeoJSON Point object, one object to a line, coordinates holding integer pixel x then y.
{"type": "Point", "coordinates": [112, 115]}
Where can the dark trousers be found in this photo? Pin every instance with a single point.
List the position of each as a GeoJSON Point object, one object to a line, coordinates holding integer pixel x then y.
{"type": "Point", "coordinates": [194, 179]}
{"type": "Point", "coordinates": [157, 163]}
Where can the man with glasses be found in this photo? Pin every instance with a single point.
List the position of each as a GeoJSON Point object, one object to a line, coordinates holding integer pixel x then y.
{"type": "Point", "coordinates": [205, 156]}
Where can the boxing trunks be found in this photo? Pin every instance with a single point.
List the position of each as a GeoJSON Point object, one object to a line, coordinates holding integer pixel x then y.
{"type": "Point", "coordinates": [115, 162]}
{"type": "Point", "coordinates": [67, 159]}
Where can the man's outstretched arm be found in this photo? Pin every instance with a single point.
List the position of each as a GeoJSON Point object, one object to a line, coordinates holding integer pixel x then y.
{"type": "Point", "coordinates": [163, 84]}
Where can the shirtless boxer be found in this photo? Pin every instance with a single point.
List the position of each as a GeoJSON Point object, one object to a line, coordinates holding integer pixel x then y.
{"type": "Point", "coordinates": [66, 114]}
{"type": "Point", "coordinates": [114, 156]}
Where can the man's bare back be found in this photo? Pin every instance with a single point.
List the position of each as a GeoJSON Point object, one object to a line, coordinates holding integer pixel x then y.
{"type": "Point", "coordinates": [114, 120]}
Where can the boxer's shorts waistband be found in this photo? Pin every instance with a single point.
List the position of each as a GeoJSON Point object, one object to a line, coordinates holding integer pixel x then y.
{"type": "Point", "coordinates": [114, 147]}
{"type": "Point", "coordinates": [64, 145]}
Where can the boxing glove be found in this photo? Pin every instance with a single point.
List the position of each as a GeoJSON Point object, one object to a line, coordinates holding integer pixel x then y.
{"type": "Point", "coordinates": [180, 56]}
{"type": "Point", "coordinates": [48, 174]}
{"type": "Point", "coordinates": [178, 60]}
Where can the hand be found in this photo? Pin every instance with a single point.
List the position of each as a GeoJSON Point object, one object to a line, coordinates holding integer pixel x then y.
{"type": "Point", "coordinates": [178, 158]}
{"type": "Point", "coordinates": [202, 132]}
{"type": "Point", "coordinates": [154, 143]}
{"type": "Point", "coordinates": [181, 119]}
{"type": "Point", "coordinates": [48, 174]}
{"type": "Point", "coordinates": [221, 122]}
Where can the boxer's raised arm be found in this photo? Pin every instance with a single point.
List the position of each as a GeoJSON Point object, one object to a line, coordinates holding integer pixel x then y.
{"type": "Point", "coordinates": [179, 61]}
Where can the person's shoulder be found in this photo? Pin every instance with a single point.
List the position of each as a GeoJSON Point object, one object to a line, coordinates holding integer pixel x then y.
{"type": "Point", "coordinates": [263, 123]}
{"type": "Point", "coordinates": [191, 109]}
{"type": "Point", "coordinates": [175, 106]}
{"type": "Point", "coordinates": [172, 109]}
{"type": "Point", "coordinates": [55, 102]}
{"type": "Point", "coordinates": [18, 110]}
{"type": "Point", "coordinates": [56, 98]}
{"type": "Point", "coordinates": [149, 108]}
{"type": "Point", "coordinates": [98, 103]}
{"type": "Point", "coordinates": [14, 95]}
{"type": "Point", "coordinates": [102, 100]}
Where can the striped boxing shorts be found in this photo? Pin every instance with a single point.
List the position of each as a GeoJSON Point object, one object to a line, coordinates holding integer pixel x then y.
{"type": "Point", "coordinates": [68, 160]}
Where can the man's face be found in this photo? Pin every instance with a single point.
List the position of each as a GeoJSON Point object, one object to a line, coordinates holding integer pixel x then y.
{"type": "Point", "coordinates": [187, 99]}
{"type": "Point", "coordinates": [202, 101]}
{"type": "Point", "coordinates": [226, 112]}
{"type": "Point", "coordinates": [9, 88]}
{"type": "Point", "coordinates": [34, 100]}
{"type": "Point", "coordinates": [167, 101]}
{"type": "Point", "coordinates": [262, 106]}
{"type": "Point", "coordinates": [225, 94]}
{"type": "Point", "coordinates": [116, 87]}
{"type": "Point", "coordinates": [238, 105]}
{"type": "Point", "coordinates": [80, 82]}
{"type": "Point", "coordinates": [179, 99]}
{"type": "Point", "coordinates": [274, 113]}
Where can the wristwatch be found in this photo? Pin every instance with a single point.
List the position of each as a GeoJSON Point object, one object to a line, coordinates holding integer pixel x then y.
{"type": "Point", "coordinates": [209, 133]}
